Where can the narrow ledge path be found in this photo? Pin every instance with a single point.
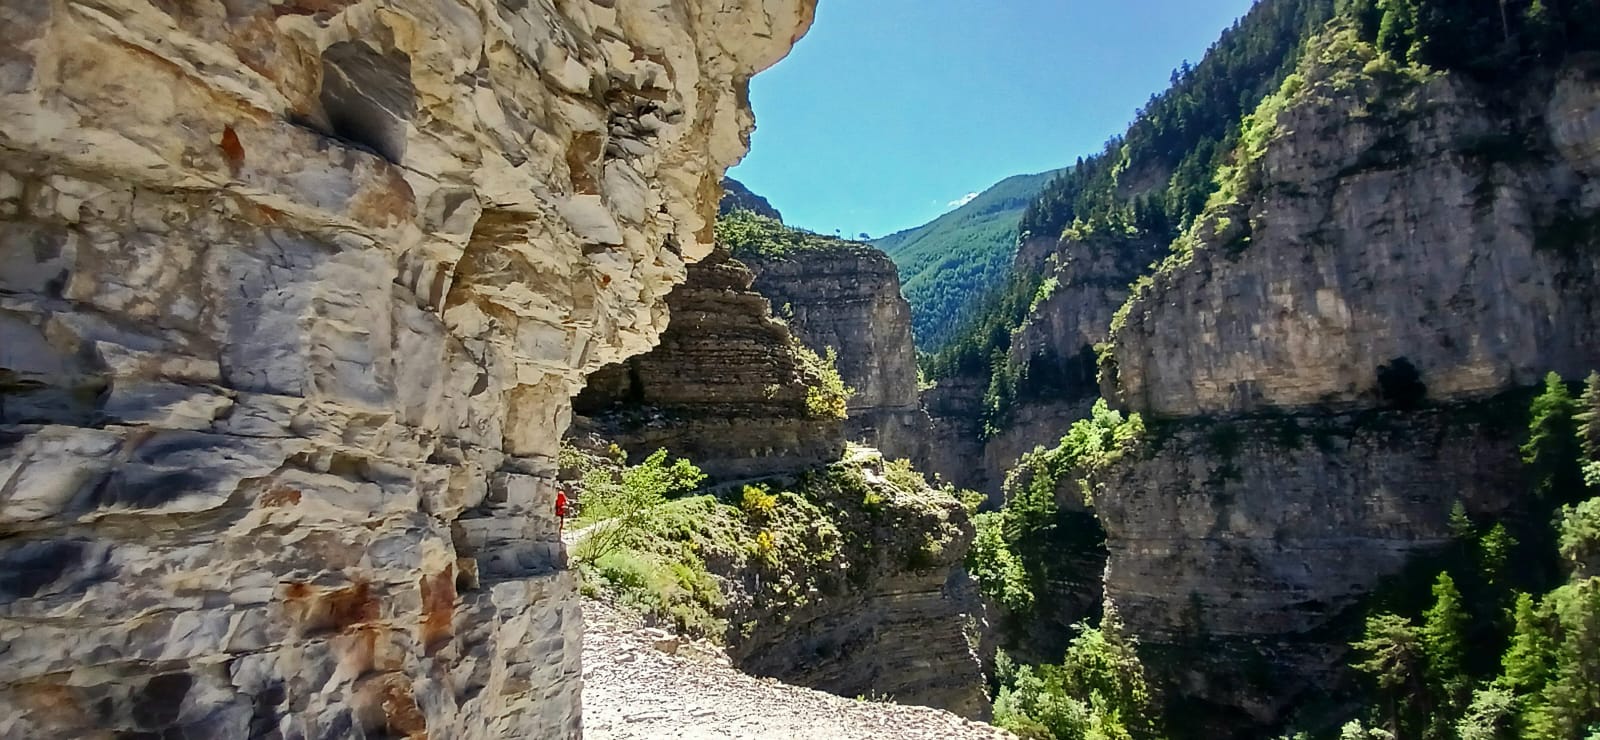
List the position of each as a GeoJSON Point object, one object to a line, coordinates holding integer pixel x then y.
{"type": "Point", "coordinates": [642, 684]}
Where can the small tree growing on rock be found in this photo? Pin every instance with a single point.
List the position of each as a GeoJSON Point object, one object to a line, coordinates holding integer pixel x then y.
{"type": "Point", "coordinates": [619, 504]}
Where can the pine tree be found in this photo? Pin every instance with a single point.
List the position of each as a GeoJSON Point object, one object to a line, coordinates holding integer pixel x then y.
{"type": "Point", "coordinates": [1494, 553]}
{"type": "Point", "coordinates": [1570, 702]}
{"type": "Point", "coordinates": [1488, 717]}
{"type": "Point", "coordinates": [1444, 627]}
{"type": "Point", "coordinates": [1551, 451]}
{"type": "Point", "coordinates": [1525, 666]}
{"type": "Point", "coordinates": [1461, 526]}
{"type": "Point", "coordinates": [1588, 417]}
{"type": "Point", "coordinates": [1397, 29]}
{"type": "Point", "coordinates": [1394, 659]}
{"type": "Point", "coordinates": [1579, 537]}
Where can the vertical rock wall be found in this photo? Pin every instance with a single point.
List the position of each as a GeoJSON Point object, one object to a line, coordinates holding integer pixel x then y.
{"type": "Point", "coordinates": [848, 298]}
{"type": "Point", "coordinates": [725, 388]}
{"type": "Point", "coordinates": [293, 296]}
{"type": "Point", "coordinates": [1435, 220]}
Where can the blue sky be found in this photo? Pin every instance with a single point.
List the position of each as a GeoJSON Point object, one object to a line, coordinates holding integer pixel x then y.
{"type": "Point", "coordinates": [889, 111]}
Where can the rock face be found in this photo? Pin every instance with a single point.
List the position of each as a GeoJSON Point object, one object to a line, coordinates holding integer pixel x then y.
{"type": "Point", "coordinates": [890, 611]}
{"type": "Point", "coordinates": [1234, 545]}
{"type": "Point", "coordinates": [292, 300]}
{"type": "Point", "coordinates": [1052, 353]}
{"type": "Point", "coordinates": [725, 388]}
{"type": "Point", "coordinates": [1441, 232]}
{"type": "Point", "coordinates": [848, 299]}
{"type": "Point", "coordinates": [901, 618]}
{"type": "Point", "coordinates": [1453, 227]}
{"type": "Point", "coordinates": [955, 430]}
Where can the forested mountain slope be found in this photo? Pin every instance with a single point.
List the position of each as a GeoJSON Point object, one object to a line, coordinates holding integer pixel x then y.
{"type": "Point", "coordinates": [948, 264]}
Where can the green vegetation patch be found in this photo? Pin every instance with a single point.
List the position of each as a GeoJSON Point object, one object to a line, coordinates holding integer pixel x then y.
{"type": "Point", "coordinates": [1099, 690]}
{"type": "Point", "coordinates": [827, 397]}
{"type": "Point", "coordinates": [745, 233]}
{"type": "Point", "coordinates": [721, 565]}
{"type": "Point", "coordinates": [1016, 548]}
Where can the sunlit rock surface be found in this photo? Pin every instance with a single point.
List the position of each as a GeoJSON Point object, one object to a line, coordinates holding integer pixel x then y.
{"type": "Point", "coordinates": [293, 296]}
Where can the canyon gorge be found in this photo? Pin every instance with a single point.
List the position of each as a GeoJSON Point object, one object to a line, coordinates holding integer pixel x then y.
{"type": "Point", "coordinates": [311, 309]}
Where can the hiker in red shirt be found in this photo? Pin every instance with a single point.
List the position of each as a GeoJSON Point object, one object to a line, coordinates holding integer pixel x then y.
{"type": "Point", "coordinates": [561, 509]}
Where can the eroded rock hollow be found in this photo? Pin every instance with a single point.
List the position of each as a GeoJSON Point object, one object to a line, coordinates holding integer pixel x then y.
{"type": "Point", "coordinates": [293, 299]}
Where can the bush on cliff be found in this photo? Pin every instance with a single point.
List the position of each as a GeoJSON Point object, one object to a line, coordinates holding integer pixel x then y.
{"type": "Point", "coordinates": [724, 566]}
{"type": "Point", "coordinates": [827, 397]}
{"type": "Point", "coordinates": [1099, 690]}
{"type": "Point", "coordinates": [747, 234]}
{"type": "Point", "coordinates": [1015, 547]}
{"type": "Point", "coordinates": [619, 505]}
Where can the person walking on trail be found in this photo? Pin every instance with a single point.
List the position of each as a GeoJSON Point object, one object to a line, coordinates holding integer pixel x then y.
{"type": "Point", "coordinates": [561, 509]}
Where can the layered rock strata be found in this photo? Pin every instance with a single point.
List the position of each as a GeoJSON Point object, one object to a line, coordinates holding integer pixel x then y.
{"type": "Point", "coordinates": [1442, 223]}
{"type": "Point", "coordinates": [725, 388]}
{"type": "Point", "coordinates": [1240, 551]}
{"type": "Point", "coordinates": [894, 614]}
{"type": "Point", "coordinates": [292, 300]}
{"type": "Point", "coordinates": [887, 609]}
{"type": "Point", "coordinates": [954, 407]}
{"type": "Point", "coordinates": [1053, 355]}
{"type": "Point", "coordinates": [1396, 243]}
{"type": "Point", "coordinates": [847, 298]}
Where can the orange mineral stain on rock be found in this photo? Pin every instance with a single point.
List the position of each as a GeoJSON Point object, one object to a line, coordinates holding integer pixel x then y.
{"type": "Point", "coordinates": [329, 610]}
{"type": "Point", "coordinates": [279, 497]}
{"type": "Point", "coordinates": [438, 608]}
{"type": "Point", "coordinates": [232, 150]}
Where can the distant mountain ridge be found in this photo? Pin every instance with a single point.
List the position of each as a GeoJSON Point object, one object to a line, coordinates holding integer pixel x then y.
{"type": "Point", "coordinates": [947, 264]}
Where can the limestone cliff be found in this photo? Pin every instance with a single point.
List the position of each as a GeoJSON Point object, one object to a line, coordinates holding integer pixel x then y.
{"type": "Point", "coordinates": [847, 297]}
{"type": "Point", "coordinates": [1053, 352]}
{"type": "Point", "coordinates": [725, 388]}
{"type": "Point", "coordinates": [891, 614]}
{"type": "Point", "coordinates": [863, 592]}
{"type": "Point", "coordinates": [955, 432]}
{"type": "Point", "coordinates": [292, 300]}
{"type": "Point", "coordinates": [1051, 361]}
{"type": "Point", "coordinates": [1436, 221]}
{"type": "Point", "coordinates": [1382, 217]}
{"type": "Point", "coordinates": [1240, 550]}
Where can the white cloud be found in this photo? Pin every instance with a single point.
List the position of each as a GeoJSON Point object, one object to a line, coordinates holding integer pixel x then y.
{"type": "Point", "coordinates": [963, 200]}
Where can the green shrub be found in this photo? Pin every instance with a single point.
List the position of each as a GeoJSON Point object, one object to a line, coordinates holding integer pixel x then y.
{"type": "Point", "coordinates": [872, 501]}
{"type": "Point", "coordinates": [746, 234]}
{"type": "Point", "coordinates": [1580, 536]}
{"type": "Point", "coordinates": [998, 571]}
{"type": "Point", "coordinates": [970, 500]}
{"type": "Point", "coordinates": [901, 475]}
{"type": "Point", "coordinates": [618, 506]}
{"type": "Point", "coordinates": [827, 397]}
{"type": "Point", "coordinates": [676, 590]}
{"type": "Point", "coordinates": [757, 503]}
{"type": "Point", "coordinates": [1099, 690]}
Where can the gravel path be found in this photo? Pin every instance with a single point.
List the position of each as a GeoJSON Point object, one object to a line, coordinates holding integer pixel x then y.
{"type": "Point", "coordinates": [643, 684]}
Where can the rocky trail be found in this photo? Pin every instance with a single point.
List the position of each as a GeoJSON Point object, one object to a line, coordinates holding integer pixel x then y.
{"type": "Point", "coordinates": [642, 683]}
